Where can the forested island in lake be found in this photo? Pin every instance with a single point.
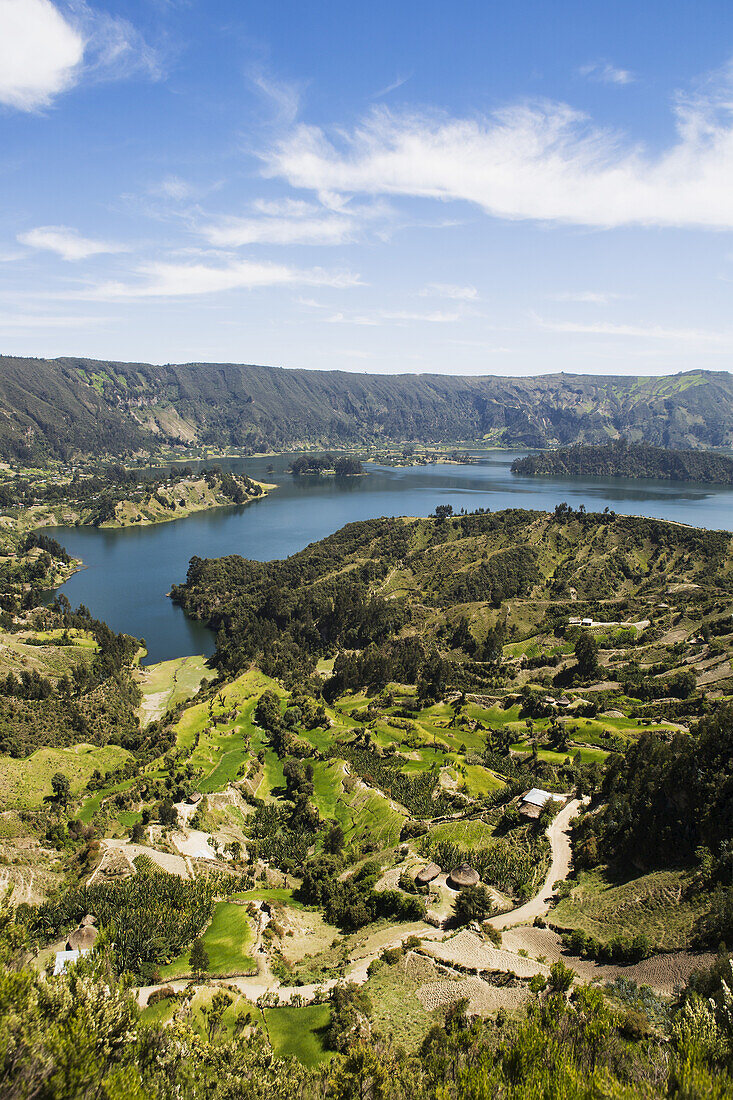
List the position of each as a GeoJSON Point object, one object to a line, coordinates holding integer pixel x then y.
{"type": "Point", "coordinates": [623, 459]}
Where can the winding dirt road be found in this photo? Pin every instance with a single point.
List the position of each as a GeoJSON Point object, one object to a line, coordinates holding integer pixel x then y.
{"type": "Point", "coordinates": [559, 836]}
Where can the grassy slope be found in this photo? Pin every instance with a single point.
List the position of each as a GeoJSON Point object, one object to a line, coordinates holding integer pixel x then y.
{"type": "Point", "coordinates": [167, 683]}
{"type": "Point", "coordinates": [300, 1033]}
{"type": "Point", "coordinates": [25, 783]}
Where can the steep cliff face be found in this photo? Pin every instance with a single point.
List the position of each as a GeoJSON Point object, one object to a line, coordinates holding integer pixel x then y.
{"type": "Point", "coordinates": [65, 407]}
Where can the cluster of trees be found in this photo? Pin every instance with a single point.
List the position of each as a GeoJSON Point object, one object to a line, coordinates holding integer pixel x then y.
{"type": "Point", "coordinates": [622, 459]}
{"type": "Point", "coordinates": [353, 902]}
{"type": "Point", "coordinates": [344, 466]}
{"type": "Point", "coordinates": [681, 685]}
{"type": "Point", "coordinates": [620, 950]}
{"type": "Point", "coordinates": [505, 575]}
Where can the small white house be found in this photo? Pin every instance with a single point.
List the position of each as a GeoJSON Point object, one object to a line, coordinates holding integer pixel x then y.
{"type": "Point", "coordinates": [587, 622]}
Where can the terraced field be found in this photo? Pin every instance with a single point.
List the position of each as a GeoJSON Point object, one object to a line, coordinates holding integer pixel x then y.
{"type": "Point", "coordinates": [659, 905]}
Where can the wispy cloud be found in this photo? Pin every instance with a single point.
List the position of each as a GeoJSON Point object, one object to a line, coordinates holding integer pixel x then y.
{"type": "Point", "coordinates": [282, 96]}
{"type": "Point", "coordinates": [173, 187]}
{"type": "Point", "coordinates": [544, 162]}
{"type": "Point", "coordinates": [646, 332]}
{"type": "Point", "coordinates": [400, 80]}
{"type": "Point", "coordinates": [605, 73]}
{"type": "Point", "coordinates": [450, 290]}
{"type": "Point", "coordinates": [181, 280]}
{"type": "Point", "coordinates": [291, 221]}
{"type": "Point", "coordinates": [114, 48]}
{"type": "Point", "coordinates": [326, 229]}
{"type": "Point", "coordinates": [66, 242]}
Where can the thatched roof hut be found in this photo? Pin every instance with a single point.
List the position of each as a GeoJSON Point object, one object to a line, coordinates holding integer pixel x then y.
{"type": "Point", "coordinates": [82, 939]}
{"type": "Point", "coordinates": [427, 874]}
{"type": "Point", "coordinates": [463, 875]}
{"type": "Point", "coordinates": [88, 919]}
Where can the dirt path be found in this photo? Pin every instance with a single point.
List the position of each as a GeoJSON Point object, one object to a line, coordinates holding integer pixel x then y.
{"type": "Point", "coordinates": [559, 837]}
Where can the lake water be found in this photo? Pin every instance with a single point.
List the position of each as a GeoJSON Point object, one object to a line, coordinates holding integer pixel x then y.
{"type": "Point", "coordinates": [128, 572]}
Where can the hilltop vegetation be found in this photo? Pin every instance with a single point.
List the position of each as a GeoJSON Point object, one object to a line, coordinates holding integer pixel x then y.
{"type": "Point", "coordinates": [621, 459]}
{"type": "Point", "coordinates": [401, 584]}
{"type": "Point", "coordinates": [68, 407]}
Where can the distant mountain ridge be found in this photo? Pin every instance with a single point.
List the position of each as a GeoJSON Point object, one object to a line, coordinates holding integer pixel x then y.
{"type": "Point", "coordinates": [69, 407]}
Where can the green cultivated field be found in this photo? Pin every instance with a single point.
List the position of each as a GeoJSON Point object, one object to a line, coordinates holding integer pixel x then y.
{"type": "Point", "coordinates": [467, 834]}
{"type": "Point", "coordinates": [227, 941]}
{"type": "Point", "coordinates": [300, 1033]}
{"type": "Point", "coordinates": [223, 749]}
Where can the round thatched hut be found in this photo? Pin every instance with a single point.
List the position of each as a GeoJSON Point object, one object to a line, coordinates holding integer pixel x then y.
{"type": "Point", "coordinates": [82, 939]}
{"type": "Point", "coordinates": [463, 875]}
{"type": "Point", "coordinates": [427, 874]}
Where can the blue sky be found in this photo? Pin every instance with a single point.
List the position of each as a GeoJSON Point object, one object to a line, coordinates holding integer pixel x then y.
{"type": "Point", "coordinates": [470, 188]}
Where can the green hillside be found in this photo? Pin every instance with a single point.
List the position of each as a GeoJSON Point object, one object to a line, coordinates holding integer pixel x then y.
{"type": "Point", "coordinates": [66, 407]}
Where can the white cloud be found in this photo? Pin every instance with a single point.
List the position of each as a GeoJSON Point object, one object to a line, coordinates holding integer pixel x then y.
{"type": "Point", "coordinates": [450, 290]}
{"type": "Point", "coordinates": [44, 52]}
{"type": "Point", "coordinates": [605, 73]}
{"type": "Point", "coordinates": [327, 229]}
{"type": "Point", "coordinates": [177, 280]}
{"type": "Point", "coordinates": [67, 242]}
{"type": "Point", "coordinates": [40, 53]}
{"type": "Point", "coordinates": [651, 332]}
{"type": "Point", "coordinates": [543, 162]}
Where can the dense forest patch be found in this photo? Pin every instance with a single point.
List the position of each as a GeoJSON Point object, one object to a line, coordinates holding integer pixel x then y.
{"type": "Point", "coordinates": [622, 459]}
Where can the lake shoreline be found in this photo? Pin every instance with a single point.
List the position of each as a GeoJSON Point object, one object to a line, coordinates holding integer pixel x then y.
{"type": "Point", "coordinates": [129, 571]}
